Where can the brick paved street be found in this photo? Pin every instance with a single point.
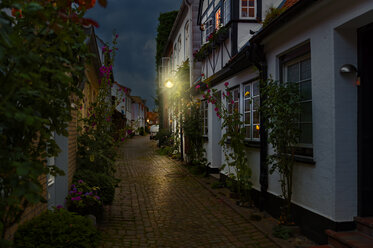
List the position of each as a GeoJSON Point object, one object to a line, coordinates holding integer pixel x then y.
{"type": "Point", "coordinates": [159, 205]}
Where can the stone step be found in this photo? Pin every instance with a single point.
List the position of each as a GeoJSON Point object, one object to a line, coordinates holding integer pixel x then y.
{"type": "Point", "coordinates": [349, 239]}
{"type": "Point", "coordinates": [365, 225]}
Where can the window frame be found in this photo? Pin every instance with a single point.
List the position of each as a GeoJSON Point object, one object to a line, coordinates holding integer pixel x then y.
{"type": "Point", "coordinates": [186, 40]}
{"type": "Point", "coordinates": [204, 114]}
{"type": "Point", "coordinates": [304, 148]}
{"type": "Point", "coordinates": [248, 7]}
{"type": "Point", "coordinates": [208, 28]}
{"type": "Point", "coordinates": [226, 11]}
{"type": "Point", "coordinates": [251, 98]}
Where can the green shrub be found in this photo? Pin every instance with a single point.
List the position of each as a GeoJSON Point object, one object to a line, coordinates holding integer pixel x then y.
{"type": "Point", "coordinates": [57, 229]}
{"type": "Point", "coordinates": [104, 182]}
{"type": "Point", "coordinates": [164, 137]}
{"type": "Point", "coordinates": [84, 200]}
{"type": "Point", "coordinates": [282, 232]}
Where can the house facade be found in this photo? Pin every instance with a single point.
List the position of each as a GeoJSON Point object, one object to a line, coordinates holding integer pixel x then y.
{"type": "Point", "coordinates": [122, 96]}
{"type": "Point", "coordinates": [139, 111]}
{"type": "Point", "coordinates": [324, 47]}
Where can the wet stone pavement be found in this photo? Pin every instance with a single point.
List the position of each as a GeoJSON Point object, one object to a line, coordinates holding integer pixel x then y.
{"type": "Point", "coordinates": [158, 204]}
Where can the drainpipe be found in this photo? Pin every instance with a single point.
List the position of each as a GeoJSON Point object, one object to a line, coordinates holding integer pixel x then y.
{"type": "Point", "coordinates": [259, 59]}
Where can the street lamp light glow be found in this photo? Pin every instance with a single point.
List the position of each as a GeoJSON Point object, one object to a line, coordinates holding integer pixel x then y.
{"type": "Point", "coordinates": [169, 84]}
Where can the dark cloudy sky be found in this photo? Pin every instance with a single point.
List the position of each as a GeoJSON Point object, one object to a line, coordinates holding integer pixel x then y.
{"type": "Point", "coordinates": [136, 22]}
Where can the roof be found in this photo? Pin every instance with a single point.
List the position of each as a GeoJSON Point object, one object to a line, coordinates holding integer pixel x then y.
{"type": "Point", "coordinates": [289, 3]}
{"type": "Point", "coordinates": [125, 89]}
{"type": "Point", "coordinates": [138, 99]}
{"type": "Point", "coordinates": [293, 9]}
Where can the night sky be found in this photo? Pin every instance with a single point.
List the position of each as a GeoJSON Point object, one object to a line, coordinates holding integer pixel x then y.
{"type": "Point", "coordinates": [136, 22]}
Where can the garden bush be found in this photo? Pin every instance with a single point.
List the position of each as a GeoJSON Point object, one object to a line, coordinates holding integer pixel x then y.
{"type": "Point", "coordinates": [141, 131]}
{"type": "Point", "coordinates": [84, 200]}
{"type": "Point", "coordinates": [57, 229]}
{"type": "Point", "coordinates": [164, 137]}
{"type": "Point", "coordinates": [104, 182]}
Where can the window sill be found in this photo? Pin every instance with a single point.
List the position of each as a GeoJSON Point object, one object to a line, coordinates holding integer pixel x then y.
{"type": "Point", "coordinates": [304, 159]}
{"type": "Point", "coordinates": [252, 144]}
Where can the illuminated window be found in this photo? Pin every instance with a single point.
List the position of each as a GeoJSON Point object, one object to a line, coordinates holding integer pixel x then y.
{"type": "Point", "coordinates": [248, 9]}
{"type": "Point", "coordinates": [251, 110]}
{"type": "Point", "coordinates": [217, 19]}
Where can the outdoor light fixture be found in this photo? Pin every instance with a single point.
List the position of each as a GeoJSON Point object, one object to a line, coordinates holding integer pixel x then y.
{"type": "Point", "coordinates": [169, 84]}
{"type": "Point", "coordinates": [348, 68]}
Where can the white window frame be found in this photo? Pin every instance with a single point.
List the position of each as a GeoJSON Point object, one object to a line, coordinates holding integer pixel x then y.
{"type": "Point", "coordinates": [204, 114]}
{"type": "Point", "coordinates": [255, 11]}
{"type": "Point", "coordinates": [227, 11]}
{"type": "Point", "coordinates": [208, 28]}
{"type": "Point", "coordinates": [285, 79]}
{"type": "Point", "coordinates": [251, 98]}
{"type": "Point", "coordinates": [186, 40]}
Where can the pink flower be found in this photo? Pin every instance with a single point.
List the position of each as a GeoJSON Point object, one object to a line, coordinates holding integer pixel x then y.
{"type": "Point", "coordinates": [116, 36]}
{"type": "Point", "coordinates": [207, 86]}
{"type": "Point", "coordinates": [228, 93]}
{"type": "Point", "coordinates": [232, 102]}
{"type": "Point", "coordinates": [226, 84]}
{"type": "Point", "coordinates": [208, 90]}
{"type": "Point", "coordinates": [198, 86]}
{"type": "Point", "coordinates": [216, 109]}
{"type": "Point", "coordinates": [203, 96]}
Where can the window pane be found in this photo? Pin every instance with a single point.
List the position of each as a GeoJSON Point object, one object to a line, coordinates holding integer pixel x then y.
{"type": "Point", "coordinates": [256, 132]}
{"type": "Point", "coordinates": [252, 12]}
{"type": "Point", "coordinates": [236, 94]}
{"type": "Point", "coordinates": [247, 89]}
{"type": "Point", "coordinates": [256, 117]}
{"type": "Point", "coordinates": [293, 73]}
{"type": "Point", "coordinates": [251, 3]}
{"type": "Point", "coordinates": [236, 106]}
{"type": "Point", "coordinates": [305, 90]}
{"type": "Point", "coordinates": [306, 133]}
{"type": "Point", "coordinates": [256, 103]}
{"type": "Point", "coordinates": [247, 118]}
{"type": "Point", "coordinates": [244, 2]}
{"type": "Point", "coordinates": [244, 12]}
{"type": "Point", "coordinates": [306, 112]}
{"type": "Point", "coordinates": [305, 69]}
{"type": "Point", "coordinates": [248, 132]}
{"type": "Point", "coordinates": [256, 89]}
{"type": "Point", "coordinates": [247, 105]}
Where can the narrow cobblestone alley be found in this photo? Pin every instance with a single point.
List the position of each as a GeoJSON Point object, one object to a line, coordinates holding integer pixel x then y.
{"type": "Point", "coordinates": [159, 205]}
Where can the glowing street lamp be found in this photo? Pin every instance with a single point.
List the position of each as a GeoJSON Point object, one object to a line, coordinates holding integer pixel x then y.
{"type": "Point", "coordinates": [169, 84]}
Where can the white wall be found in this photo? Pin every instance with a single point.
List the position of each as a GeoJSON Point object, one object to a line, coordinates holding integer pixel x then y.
{"type": "Point", "coordinates": [329, 187]}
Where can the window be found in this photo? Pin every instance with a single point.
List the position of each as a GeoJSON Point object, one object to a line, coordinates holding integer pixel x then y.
{"type": "Point", "coordinates": [204, 114]}
{"type": "Point", "coordinates": [251, 110]}
{"type": "Point", "coordinates": [227, 11]}
{"type": "Point", "coordinates": [217, 19]}
{"type": "Point", "coordinates": [186, 44]}
{"type": "Point", "coordinates": [248, 9]}
{"type": "Point", "coordinates": [235, 105]}
{"type": "Point", "coordinates": [299, 72]}
{"type": "Point", "coordinates": [209, 28]}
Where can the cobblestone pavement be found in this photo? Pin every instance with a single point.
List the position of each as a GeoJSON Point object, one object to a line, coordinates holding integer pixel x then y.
{"type": "Point", "coordinates": [159, 205]}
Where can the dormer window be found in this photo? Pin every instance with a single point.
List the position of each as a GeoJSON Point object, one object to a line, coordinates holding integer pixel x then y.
{"type": "Point", "coordinates": [248, 9]}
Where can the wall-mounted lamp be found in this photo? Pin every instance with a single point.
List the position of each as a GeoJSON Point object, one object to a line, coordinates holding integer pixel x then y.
{"type": "Point", "coordinates": [169, 84]}
{"type": "Point", "coordinates": [348, 68]}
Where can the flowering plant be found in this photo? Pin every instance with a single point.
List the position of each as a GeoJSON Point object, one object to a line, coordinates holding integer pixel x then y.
{"type": "Point", "coordinates": [84, 199]}
{"type": "Point", "coordinates": [233, 139]}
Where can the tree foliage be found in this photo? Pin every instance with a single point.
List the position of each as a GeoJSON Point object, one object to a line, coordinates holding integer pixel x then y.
{"type": "Point", "coordinates": [42, 55]}
{"type": "Point", "coordinates": [281, 109]}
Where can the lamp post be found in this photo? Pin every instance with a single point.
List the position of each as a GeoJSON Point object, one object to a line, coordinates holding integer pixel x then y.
{"type": "Point", "coordinates": [170, 84]}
